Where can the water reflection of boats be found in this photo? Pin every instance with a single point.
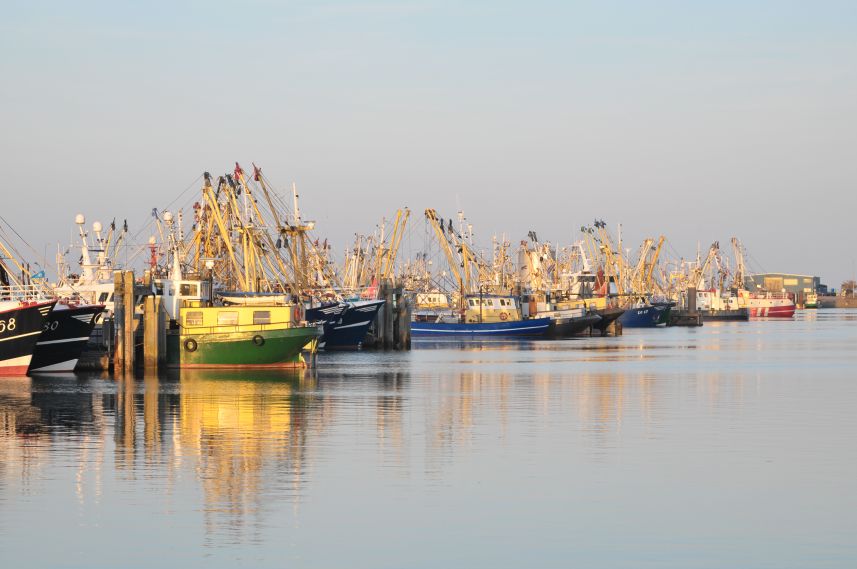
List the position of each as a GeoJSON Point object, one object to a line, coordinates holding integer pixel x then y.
{"type": "Point", "coordinates": [243, 431]}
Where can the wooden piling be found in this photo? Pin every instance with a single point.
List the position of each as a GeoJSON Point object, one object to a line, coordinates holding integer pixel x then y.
{"type": "Point", "coordinates": [390, 306]}
{"type": "Point", "coordinates": [162, 330]}
{"type": "Point", "coordinates": [150, 333]}
{"type": "Point", "coordinates": [119, 322]}
{"type": "Point", "coordinates": [403, 321]}
{"type": "Point", "coordinates": [130, 321]}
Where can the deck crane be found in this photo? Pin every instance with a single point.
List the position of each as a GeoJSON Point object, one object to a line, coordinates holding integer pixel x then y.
{"type": "Point", "coordinates": [385, 268]}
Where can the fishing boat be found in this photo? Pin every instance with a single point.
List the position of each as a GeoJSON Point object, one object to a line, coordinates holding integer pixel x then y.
{"type": "Point", "coordinates": [94, 283]}
{"type": "Point", "coordinates": [714, 306]}
{"type": "Point", "coordinates": [593, 290]}
{"type": "Point", "coordinates": [21, 324]}
{"type": "Point", "coordinates": [646, 315]}
{"type": "Point", "coordinates": [239, 337]}
{"type": "Point", "coordinates": [760, 303]}
{"type": "Point", "coordinates": [569, 317]}
{"type": "Point", "coordinates": [483, 316]}
{"type": "Point", "coordinates": [65, 333]}
{"type": "Point", "coordinates": [811, 300]}
{"type": "Point", "coordinates": [768, 304]}
{"type": "Point", "coordinates": [345, 323]}
{"type": "Point", "coordinates": [243, 332]}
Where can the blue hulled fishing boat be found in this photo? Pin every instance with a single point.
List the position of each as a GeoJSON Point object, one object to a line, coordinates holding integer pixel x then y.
{"type": "Point", "coordinates": [345, 323]}
{"type": "Point", "coordinates": [646, 315]}
{"type": "Point", "coordinates": [483, 316]}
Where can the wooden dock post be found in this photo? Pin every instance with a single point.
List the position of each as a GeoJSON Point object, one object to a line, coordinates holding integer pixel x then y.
{"type": "Point", "coordinates": [130, 321]}
{"type": "Point", "coordinates": [389, 308]}
{"type": "Point", "coordinates": [403, 322]}
{"type": "Point", "coordinates": [162, 330]}
{"type": "Point", "coordinates": [150, 333]}
{"type": "Point", "coordinates": [119, 322]}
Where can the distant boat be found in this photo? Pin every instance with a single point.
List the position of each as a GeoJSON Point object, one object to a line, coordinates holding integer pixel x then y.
{"type": "Point", "coordinates": [768, 304]}
{"type": "Point", "coordinates": [811, 300]}
{"type": "Point", "coordinates": [646, 315]}
{"type": "Point", "coordinates": [714, 306]}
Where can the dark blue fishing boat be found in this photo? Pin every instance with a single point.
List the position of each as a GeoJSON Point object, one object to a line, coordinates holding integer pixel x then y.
{"type": "Point", "coordinates": [345, 323]}
{"type": "Point", "coordinates": [64, 336]}
{"type": "Point", "coordinates": [646, 315]}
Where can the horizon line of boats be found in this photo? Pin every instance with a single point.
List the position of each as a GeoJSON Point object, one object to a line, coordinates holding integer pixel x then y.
{"type": "Point", "coordinates": [247, 286]}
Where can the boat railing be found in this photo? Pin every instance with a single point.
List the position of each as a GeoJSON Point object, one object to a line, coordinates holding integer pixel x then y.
{"type": "Point", "coordinates": [30, 292]}
{"type": "Point", "coordinates": [227, 328]}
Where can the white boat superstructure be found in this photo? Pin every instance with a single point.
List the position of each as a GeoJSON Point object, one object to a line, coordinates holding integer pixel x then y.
{"type": "Point", "coordinates": [94, 284]}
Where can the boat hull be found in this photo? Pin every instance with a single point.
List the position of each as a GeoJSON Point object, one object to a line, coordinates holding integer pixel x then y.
{"type": "Point", "coordinates": [782, 311]}
{"type": "Point", "coordinates": [646, 316]}
{"type": "Point", "coordinates": [21, 327]}
{"type": "Point", "coordinates": [733, 315]}
{"type": "Point", "coordinates": [534, 327]}
{"type": "Point", "coordinates": [279, 348]}
{"type": "Point", "coordinates": [65, 334]}
{"type": "Point", "coordinates": [566, 327]}
{"type": "Point", "coordinates": [608, 316]}
{"type": "Point", "coordinates": [345, 323]}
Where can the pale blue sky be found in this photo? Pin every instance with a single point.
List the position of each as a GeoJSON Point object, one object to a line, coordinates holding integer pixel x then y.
{"type": "Point", "coordinates": [696, 120]}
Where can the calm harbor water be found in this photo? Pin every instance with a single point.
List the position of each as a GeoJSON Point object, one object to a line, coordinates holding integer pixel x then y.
{"type": "Point", "coordinates": [732, 445]}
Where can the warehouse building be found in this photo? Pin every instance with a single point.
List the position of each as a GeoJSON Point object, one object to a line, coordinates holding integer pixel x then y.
{"type": "Point", "coordinates": [783, 282]}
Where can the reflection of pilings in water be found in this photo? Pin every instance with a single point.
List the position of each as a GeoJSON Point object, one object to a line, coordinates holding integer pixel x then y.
{"type": "Point", "coordinates": [151, 416]}
{"type": "Point", "coordinates": [124, 430]}
{"type": "Point", "coordinates": [18, 417]}
{"type": "Point", "coordinates": [388, 416]}
{"type": "Point", "coordinates": [457, 408]}
{"type": "Point", "coordinates": [602, 401]}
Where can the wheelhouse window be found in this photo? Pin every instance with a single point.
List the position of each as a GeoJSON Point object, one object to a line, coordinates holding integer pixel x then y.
{"type": "Point", "coordinates": [261, 317]}
{"type": "Point", "coordinates": [103, 297]}
{"type": "Point", "coordinates": [193, 319]}
{"type": "Point", "coordinates": [188, 289]}
{"type": "Point", "coordinates": [229, 318]}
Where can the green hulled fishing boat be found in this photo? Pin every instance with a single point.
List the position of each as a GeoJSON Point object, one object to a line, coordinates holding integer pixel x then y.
{"type": "Point", "coordinates": [240, 337]}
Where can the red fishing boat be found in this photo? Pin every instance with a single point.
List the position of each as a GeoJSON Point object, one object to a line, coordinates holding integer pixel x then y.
{"type": "Point", "coordinates": [768, 304]}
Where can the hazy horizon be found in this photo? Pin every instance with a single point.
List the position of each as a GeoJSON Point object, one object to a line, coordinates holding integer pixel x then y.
{"type": "Point", "coordinates": [696, 122]}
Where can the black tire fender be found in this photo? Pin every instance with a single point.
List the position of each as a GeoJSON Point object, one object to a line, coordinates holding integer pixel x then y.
{"type": "Point", "coordinates": [190, 345]}
{"type": "Point", "coordinates": [258, 340]}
